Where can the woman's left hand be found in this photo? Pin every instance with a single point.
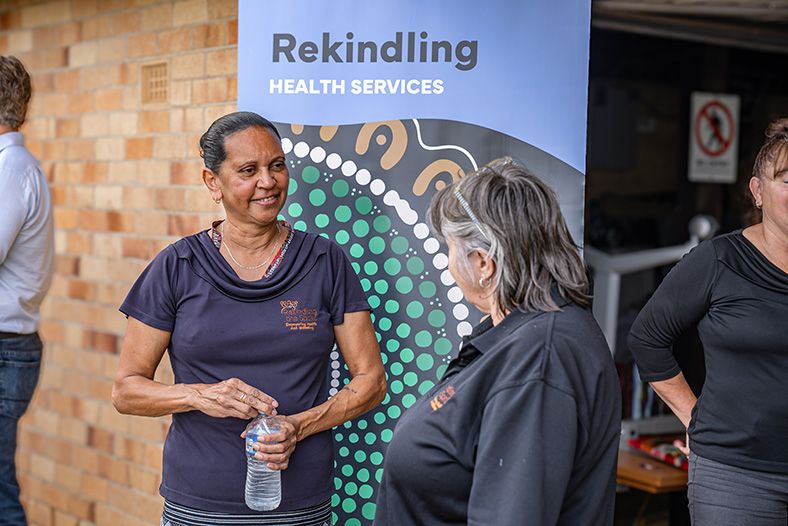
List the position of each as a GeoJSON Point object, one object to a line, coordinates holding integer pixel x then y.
{"type": "Point", "coordinates": [276, 448]}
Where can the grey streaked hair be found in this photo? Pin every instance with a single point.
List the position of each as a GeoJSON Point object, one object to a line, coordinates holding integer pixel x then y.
{"type": "Point", "coordinates": [15, 92]}
{"type": "Point", "coordinates": [517, 222]}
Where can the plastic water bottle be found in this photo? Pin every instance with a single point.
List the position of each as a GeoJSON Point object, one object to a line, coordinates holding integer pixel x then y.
{"type": "Point", "coordinates": [263, 485]}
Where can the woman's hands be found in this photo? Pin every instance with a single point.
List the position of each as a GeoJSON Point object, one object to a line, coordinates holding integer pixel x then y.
{"type": "Point", "coordinates": [276, 448]}
{"type": "Point", "coordinates": [684, 447]}
{"type": "Point", "coordinates": [232, 398]}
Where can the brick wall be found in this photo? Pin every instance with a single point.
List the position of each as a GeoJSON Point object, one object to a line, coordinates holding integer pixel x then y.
{"type": "Point", "coordinates": [125, 180]}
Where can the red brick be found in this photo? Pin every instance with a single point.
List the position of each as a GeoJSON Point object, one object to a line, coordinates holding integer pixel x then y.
{"type": "Point", "coordinates": [87, 459]}
{"type": "Point", "coordinates": [100, 341]}
{"type": "Point", "coordinates": [89, 28]}
{"type": "Point", "coordinates": [114, 470]}
{"type": "Point", "coordinates": [232, 89]}
{"type": "Point", "coordinates": [80, 103]}
{"type": "Point", "coordinates": [10, 19]}
{"type": "Point", "coordinates": [143, 45]}
{"type": "Point", "coordinates": [134, 247]}
{"type": "Point", "coordinates": [40, 513]}
{"type": "Point", "coordinates": [107, 6]}
{"type": "Point", "coordinates": [80, 150]}
{"type": "Point", "coordinates": [95, 172]}
{"type": "Point", "coordinates": [84, 8]}
{"type": "Point", "coordinates": [119, 222]}
{"type": "Point", "coordinates": [221, 62]}
{"type": "Point", "coordinates": [67, 128]}
{"type": "Point", "coordinates": [77, 243]}
{"type": "Point", "coordinates": [62, 518]}
{"type": "Point", "coordinates": [92, 220]}
{"type": "Point", "coordinates": [43, 82]}
{"type": "Point", "coordinates": [157, 17]}
{"type": "Point", "coordinates": [121, 23]}
{"type": "Point", "coordinates": [186, 172]}
{"type": "Point", "coordinates": [222, 9]}
{"type": "Point", "coordinates": [139, 148]}
{"type": "Point", "coordinates": [66, 265]}
{"type": "Point", "coordinates": [169, 198]}
{"type": "Point", "coordinates": [94, 487]}
{"type": "Point", "coordinates": [173, 41]}
{"type": "Point", "coordinates": [109, 99]}
{"type": "Point", "coordinates": [64, 35]}
{"type": "Point", "coordinates": [183, 225]}
{"type": "Point", "coordinates": [209, 90]}
{"type": "Point", "coordinates": [154, 122]}
{"type": "Point", "coordinates": [67, 80]}
{"type": "Point", "coordinates": [100, 439]}
{"type": "Point", "coordinates": [78, 289]}
{"type": "Point", "coordinates": [210, 35]}
{"type": "Point", "coordinates": [47, 59]}
{"type": "Point", "coordinates": [233, 32]}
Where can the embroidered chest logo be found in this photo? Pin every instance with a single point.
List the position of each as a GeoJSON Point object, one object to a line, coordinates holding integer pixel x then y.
{"type": "Point", "coordinates": [298, 319]}
{"type": "Point", "coordinates": [441, 398]}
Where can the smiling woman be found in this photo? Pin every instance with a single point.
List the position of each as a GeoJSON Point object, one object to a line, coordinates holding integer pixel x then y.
{"type": "Point", "coordinates": [247, 172]}
{"type": "Point", "coordinates": [249, 311]}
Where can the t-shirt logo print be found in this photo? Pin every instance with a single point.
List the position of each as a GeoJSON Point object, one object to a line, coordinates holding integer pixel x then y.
{"type": "Point", "coordinates": [298, 319]}
{"type": "Point", "coordinates": [441, 398]}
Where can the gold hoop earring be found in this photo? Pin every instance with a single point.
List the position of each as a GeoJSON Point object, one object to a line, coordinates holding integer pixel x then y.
{"type": "Point", "coordinates": [217, 201]}
{"type": "Point", "coordinates": [484, 282]}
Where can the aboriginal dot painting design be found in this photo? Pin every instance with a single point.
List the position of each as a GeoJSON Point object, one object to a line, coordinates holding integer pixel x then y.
{"type": "Point", "coordinates": [367, 187]}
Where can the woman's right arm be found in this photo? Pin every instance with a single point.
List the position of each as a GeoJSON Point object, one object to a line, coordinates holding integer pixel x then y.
{"type": "Point", "coordinates": [680, 302]}
{"type": "Point", "coordinates": [135, 391]}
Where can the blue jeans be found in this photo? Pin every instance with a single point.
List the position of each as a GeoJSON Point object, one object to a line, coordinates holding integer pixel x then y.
{"type": "Point", "coordinates": [721, 494]}
{"type": "Point", "coordinates": [20, 362]}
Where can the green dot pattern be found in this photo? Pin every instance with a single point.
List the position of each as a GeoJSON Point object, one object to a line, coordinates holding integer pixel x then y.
{"type": "Point", "coordinates": [317, 197]}
{"type": "Point", "coordinates": [295, 210]}
{"type": "Point", "coordinates": [411, 312]}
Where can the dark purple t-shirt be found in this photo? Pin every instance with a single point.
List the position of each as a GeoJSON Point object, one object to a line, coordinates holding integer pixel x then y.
{"type": "Point", "coordinates": [275, 334]}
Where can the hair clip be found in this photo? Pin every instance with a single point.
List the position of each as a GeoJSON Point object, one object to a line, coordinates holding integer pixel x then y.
{"type": "Point", "coordinates": [465, 206]}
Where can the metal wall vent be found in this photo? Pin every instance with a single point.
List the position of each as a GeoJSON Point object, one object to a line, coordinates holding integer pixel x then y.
{"type": "Point", "coordinates": [155, 82]}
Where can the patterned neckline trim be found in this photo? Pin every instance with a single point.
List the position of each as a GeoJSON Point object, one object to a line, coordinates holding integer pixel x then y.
{"type": "Point", "coordinates": [216, 238]}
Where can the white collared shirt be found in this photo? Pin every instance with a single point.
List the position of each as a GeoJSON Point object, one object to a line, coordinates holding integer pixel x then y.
{"type": "Point", "coordinates": [27, 238]}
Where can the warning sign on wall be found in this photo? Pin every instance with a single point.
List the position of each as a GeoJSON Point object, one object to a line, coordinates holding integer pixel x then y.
{"type": "Point", "coordinates": [714, 138]}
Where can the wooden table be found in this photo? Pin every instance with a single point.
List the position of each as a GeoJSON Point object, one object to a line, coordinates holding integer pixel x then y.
{"type": "Point", "coordinates": [649, 475]}
{"type": "Point", "coordinates": [641, 472]}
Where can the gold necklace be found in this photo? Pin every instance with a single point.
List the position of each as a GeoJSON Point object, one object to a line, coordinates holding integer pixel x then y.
{"type": "Point", "coordinates": [255, 267]}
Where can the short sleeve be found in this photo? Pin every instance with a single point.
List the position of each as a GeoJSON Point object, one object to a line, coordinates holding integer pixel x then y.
{"type": "Point", "coordinates": [151, 299]}
{"type": "Point", "coordinates": [680, 302]}
{"type": "Point", "coordinates": [346, 292]}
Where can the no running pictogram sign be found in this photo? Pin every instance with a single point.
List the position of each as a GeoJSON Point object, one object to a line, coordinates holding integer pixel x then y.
{"type": "Point", "coordinates": [714, 128]}
{"type": "Point", "coordinates": [713, 138]}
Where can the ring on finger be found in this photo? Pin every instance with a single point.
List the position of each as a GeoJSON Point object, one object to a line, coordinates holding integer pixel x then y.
{"type": "Point", "coordinates": [243, 397]}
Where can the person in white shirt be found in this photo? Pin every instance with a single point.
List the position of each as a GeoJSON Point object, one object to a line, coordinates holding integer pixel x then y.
{"type": "Point", "coordinates": [27, 253]}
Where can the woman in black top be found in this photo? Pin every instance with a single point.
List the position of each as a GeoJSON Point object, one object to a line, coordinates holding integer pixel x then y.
{"type": "Point", "coordinates": [524, 426]}
{"type": "Point", "coordinates": [734, 288]}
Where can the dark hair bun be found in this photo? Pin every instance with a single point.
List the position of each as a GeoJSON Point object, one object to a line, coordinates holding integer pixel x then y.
{"type": "Point", "coordinates": [777, 127]}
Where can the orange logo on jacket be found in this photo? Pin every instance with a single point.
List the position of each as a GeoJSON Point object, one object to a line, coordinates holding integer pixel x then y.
{"type": "Point", "coordinates": [298, 319]}
{"type": "Point", "coordinates": [441, 398]}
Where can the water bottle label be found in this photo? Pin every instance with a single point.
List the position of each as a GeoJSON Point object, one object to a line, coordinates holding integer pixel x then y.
{"type": "Point", "coordinates": [250, 440]}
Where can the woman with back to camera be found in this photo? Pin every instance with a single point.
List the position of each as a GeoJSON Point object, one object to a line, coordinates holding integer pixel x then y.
{"type": "Point", "coordinates": [524, 426]}
{"type": "Point", "coordinates": [734, 288]}
{"type": "Point", "coordinates": [249, 311]}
